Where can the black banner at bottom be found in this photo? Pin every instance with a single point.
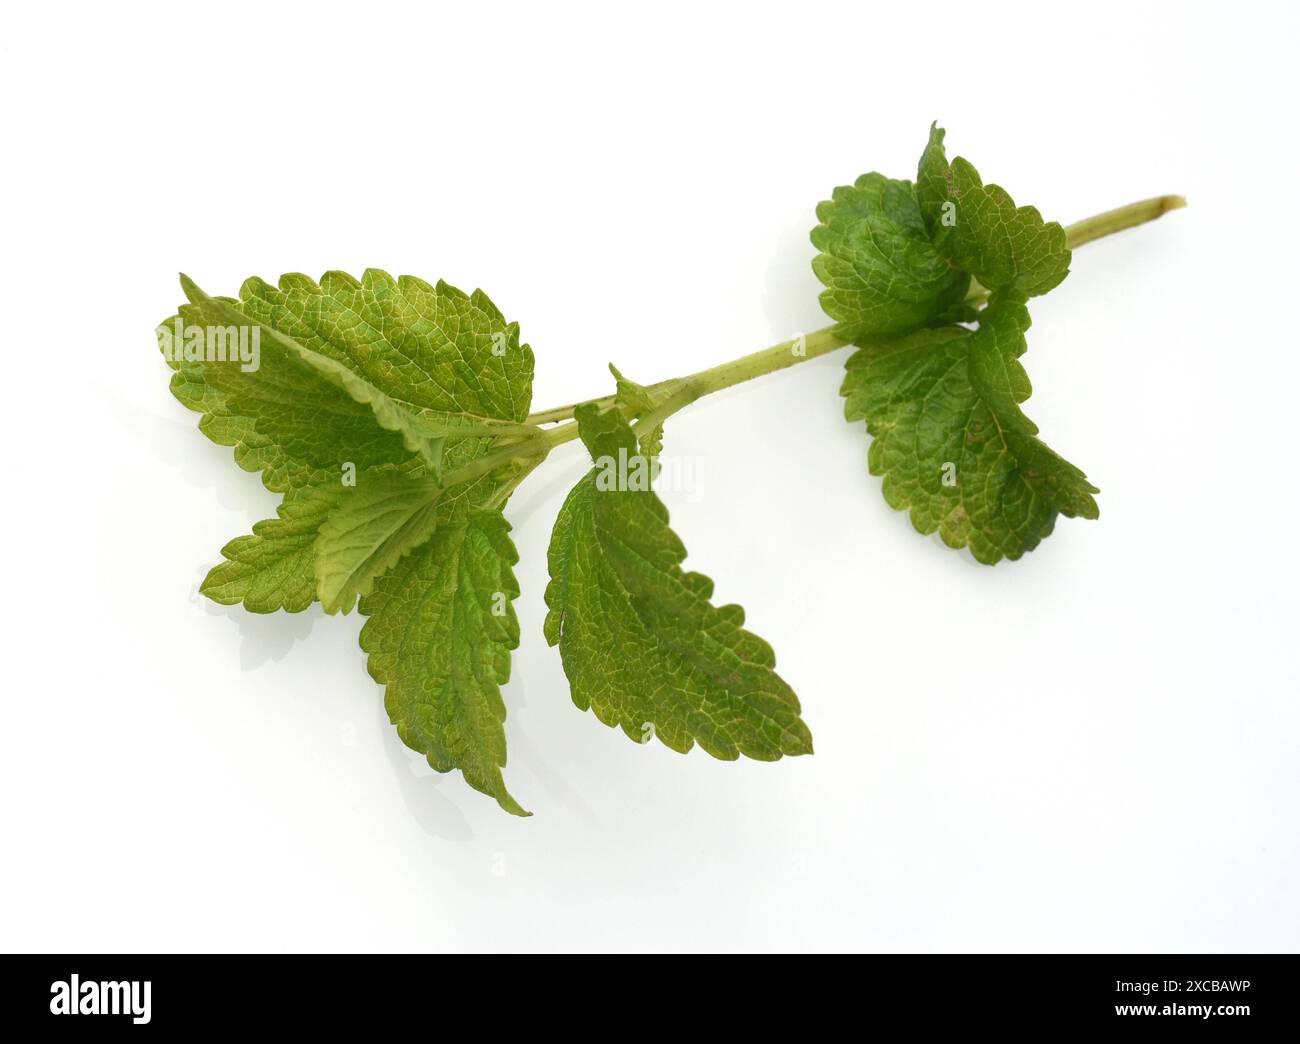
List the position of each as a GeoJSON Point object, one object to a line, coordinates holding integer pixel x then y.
{"type": "Point", "coordinates": [159, 994]}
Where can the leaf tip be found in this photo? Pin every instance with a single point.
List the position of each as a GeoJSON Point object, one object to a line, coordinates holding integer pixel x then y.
{"type": "Point", "coordinates": [802, 744]}
{"type": "Point", "coordinates": [191, 289]}
{"type": "Point", "coordinates": [512, 806]}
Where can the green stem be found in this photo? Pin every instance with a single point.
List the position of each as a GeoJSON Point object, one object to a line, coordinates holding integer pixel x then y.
{"type": "Point", "coordinates": [534, 449]}
{"type": "Point", "coordinates": [819, 342]}
{"type": "Point", "coordinates": [1099, 225]}
{"type": "Point", "coordinates": [1120, 218]}
{"type": "Point", "coordinates": [738, 371]}
{"type": "Point", "coordinates": [680, 392]}
{"type": "Point", "coordinates": [706, 382]}
{"type": "Point", "coordinates": [559, 413]}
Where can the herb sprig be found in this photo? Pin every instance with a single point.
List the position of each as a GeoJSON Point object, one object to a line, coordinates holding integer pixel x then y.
{"type": "Point", "coordinates": [394, 417]}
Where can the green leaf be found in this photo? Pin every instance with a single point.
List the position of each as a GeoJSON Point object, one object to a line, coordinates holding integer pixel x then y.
{"type": "Point", "coordinates": [978, 228]}
{"type": "Point", "coordinates": [422, 347]}
{"type": "Point", "coordinates": [330, 356]}
{"type": "Point", "coordinates": [430, 362]}
{"type": "Point", "coordinates": [423, 430]}
{"type": "Point", "coordinates": [641, 644]}
{"type": "Point", "coordinates": [638, 401]}
{"type": "Point", "coordinates": [950, 439]}
{"type": "Point", "coordinates": [283, 564]}
{"type": "Point", "coordinates": [390, 413]}
{"type": "Point", "coordinates": [882, 273]}
{"type": "Point", "coordinates": [635, 397]}
{"type": "Point", "coordinates": [385, 516]}
{"type": "Point", "coordinates": [275, 567]}
{"type": "Point", "coordinates": [439, 634]}
{"type": "Point", "coordinates": [397, 378]}
{"type": "Point", "coordinates": [281, 419]}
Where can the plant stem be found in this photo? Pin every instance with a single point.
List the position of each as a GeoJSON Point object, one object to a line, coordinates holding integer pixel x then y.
{"type": "Point", "coordinates": [819, 342]}
{"type": "Point", "coordinates": [534, 449]}
{"type": "Point", "coordinates": [737, 371]}
{"type": "Point", "coordinates": [1120, 218]}
{"type": "Point", "coordinates": [680, 392]}
{"type": "Point", "coordinates": [746, 368]}
{"type": "Point", "coordinates": [559, 413]}
{"type": "Point", "coordinates": [1099, 225]}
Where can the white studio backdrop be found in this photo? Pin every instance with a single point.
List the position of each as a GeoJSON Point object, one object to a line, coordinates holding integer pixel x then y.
{"type": "Point", "coordinates": [1094, 748]}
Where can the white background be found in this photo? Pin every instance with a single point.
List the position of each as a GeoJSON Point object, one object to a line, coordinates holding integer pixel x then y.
{"type": "Point", "coordinates": [1095, 748]}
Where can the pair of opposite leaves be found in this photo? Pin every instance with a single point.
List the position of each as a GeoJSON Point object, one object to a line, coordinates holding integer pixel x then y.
{"type": "Point", "coordinates": [403, 381]}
